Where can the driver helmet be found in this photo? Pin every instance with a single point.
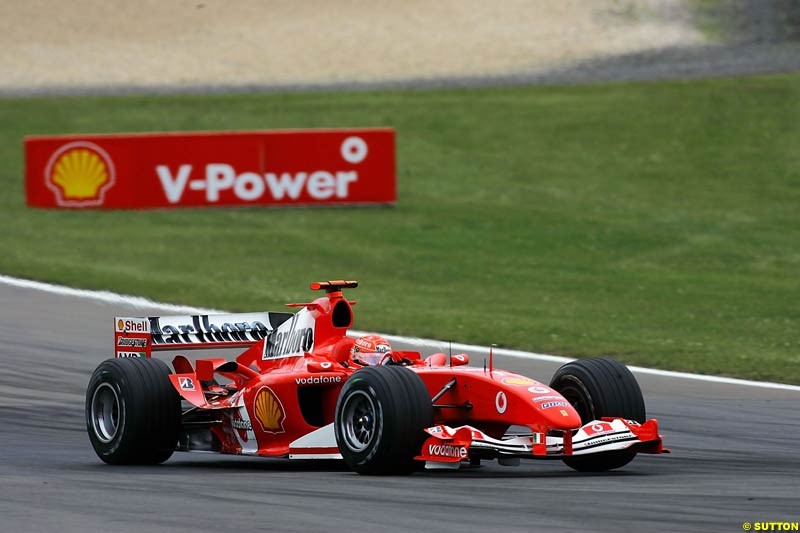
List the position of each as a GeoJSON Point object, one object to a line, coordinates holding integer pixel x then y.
{"type": "Point", "coordinates": [370, 350]}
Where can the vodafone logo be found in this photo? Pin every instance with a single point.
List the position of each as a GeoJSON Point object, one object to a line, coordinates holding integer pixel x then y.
{"type": "Point", "coordinates": [218, 178]}
{"type": "Point", "coordinates": [318, 380]}
{"type": "Point", "coordinates": [597, 428]}
{"type": "Point", "coordinates": [446, 450]}
{"type": "Point", "coordinates": [501, 402]}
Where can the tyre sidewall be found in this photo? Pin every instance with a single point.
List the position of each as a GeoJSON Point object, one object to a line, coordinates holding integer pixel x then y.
{"type": "Point", "coordinates": [108, 374]}
{"type": "Point", "coordinates": [357, 459]}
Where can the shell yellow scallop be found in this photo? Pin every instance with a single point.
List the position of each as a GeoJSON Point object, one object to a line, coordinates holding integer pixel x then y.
{"type": "Point", "coordinates": [269, 411]}
{"type": "Point", "coordinates": [80, 173]}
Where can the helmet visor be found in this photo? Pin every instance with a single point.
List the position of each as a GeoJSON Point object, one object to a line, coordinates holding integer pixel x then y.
{"type": "Point", "coordinates": [371, 358]}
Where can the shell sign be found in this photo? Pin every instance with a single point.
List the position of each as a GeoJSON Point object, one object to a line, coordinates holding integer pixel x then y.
{"type": "Point", "coordinates": [258, 168]}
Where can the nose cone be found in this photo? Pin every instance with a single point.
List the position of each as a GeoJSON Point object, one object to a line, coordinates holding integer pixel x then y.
{"type": "Point", "coordinates": [559, 414]}
{"type": "Point", "coordinates": [553, 409]}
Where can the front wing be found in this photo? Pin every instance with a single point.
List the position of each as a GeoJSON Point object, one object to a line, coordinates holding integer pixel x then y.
{"type": "Point", "coordinates": [446, 447]}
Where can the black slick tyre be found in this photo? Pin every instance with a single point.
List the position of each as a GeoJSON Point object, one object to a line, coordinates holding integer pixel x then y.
{"type": "Point", "coordinates": [599, 388]}
{"type": "Point", "coordinates": [133, 413]}
{"type": "Point", "coordinates": [380, 416]}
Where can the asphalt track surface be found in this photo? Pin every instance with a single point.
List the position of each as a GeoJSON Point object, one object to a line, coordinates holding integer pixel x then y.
{"type": "Point", "coordinates": [734, 459]}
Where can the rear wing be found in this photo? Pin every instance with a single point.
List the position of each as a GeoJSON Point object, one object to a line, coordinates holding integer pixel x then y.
{"type": "Point", "coordinates": [140, 336]}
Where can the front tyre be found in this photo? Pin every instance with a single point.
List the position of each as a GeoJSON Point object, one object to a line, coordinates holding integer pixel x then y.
{"type": "Point", "coordinates": [133, 412]}
{"type": "Point", "coordinates": [599, 388]}
{"type": "Point", "coordinates": [380, 417]}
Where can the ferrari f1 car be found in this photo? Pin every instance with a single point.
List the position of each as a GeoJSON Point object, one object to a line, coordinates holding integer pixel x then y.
{"type": "Point", "coordinates": [298, 391]}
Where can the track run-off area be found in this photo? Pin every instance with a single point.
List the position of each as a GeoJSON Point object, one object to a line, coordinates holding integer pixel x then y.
{"type": "Point", "coordinates": [734, 453]}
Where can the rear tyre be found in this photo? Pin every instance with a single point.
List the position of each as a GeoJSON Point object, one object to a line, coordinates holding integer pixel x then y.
{"type": "Point", "coordinates": [133, 412]}
{"type": "Point", "coordinates": [380, 417]}
{"type": "Point", "coordinates": [599, 388]}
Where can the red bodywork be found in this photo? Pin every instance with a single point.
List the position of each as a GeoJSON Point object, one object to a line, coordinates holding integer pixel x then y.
{"type": "Point", "coordinates": [278, 397]}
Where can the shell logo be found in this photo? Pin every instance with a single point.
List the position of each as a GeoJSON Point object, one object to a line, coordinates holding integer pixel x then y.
{"type": "Point", "coordinates": [522, 382]}
{"type": "Point", "coordinates": [80, 173]}
{"type": "Point", "coordinates": [269, 411]}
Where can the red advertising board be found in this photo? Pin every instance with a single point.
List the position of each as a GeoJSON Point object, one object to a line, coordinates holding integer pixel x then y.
{"type": "Point", "coordinates": [265, 168]}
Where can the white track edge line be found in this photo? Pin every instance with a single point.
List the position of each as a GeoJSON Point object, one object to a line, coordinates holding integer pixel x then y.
{"type": "Point", "coordinates": [139, 302]}
{"type": "Point", "coordinates": [104, 296]}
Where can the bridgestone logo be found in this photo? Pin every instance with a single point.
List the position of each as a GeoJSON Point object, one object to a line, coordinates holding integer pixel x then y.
{"type": "Point", "coordinates": [446, 450]}
{"type": "Point", "coordinates": [134, 343]}
{"type": "Point", "coordinates": [318, 380]}
{"type": "Point", "coordinates": [606, 439]}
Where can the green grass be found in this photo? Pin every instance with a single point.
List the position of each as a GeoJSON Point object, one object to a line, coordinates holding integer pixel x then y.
{"type": "Point", "coordinates": [658, 223]}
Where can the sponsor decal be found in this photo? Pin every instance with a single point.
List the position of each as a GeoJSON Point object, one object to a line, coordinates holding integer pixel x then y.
{"type": "Point", "coordinates": [436, 430]}
{"type": "Point", "coordinates": [548, 405]}
{"type": "Point", "coordinates": [367, 344]}
{"type": "Point", "coordinates": [292, 339]}
{"type": "Point", "coordinates": [459, 357]}
{"type": "Point", "coordinates": [596, 441]}
{"type": "Point", "coordinates": [598, 428]}
{"type": "Point", "coordinates": [501, 402]}
{"type": "Point", "coordinates": [133, 325]}
{"type": "Point", "coordinates": [79, 174]}
{"type": "Point", "coordinates": [318, 380]}
{"type": "Point", "coordinates": [269, 411]}
{"type": "Point", "coordinates": [240, 425]}
{"type": "Point", "coordinates": [519, 381]}
{"type": "Point", "coordinates": [447, 450]}
{"type": "Point", "coordinates": [131, 354]}
{"type": "Point", "coordinates": [550, 397]}
{"type": "Point", "coordinates": [186, 383]}
{"type": "Point", "coordinates": [326, 364]}
{"type": "Point", "coordinates": [132, 342]}
{"type": "Point", "coordinates": [564, 412]}
{"type": "Point", "coordinates": [539, 390]}
{"type": "Point", "coordinates": [199, 329]}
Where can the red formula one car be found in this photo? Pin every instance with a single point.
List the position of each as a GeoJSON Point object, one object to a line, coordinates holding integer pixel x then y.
{"type": "Point", "coordinates": [303, 389]}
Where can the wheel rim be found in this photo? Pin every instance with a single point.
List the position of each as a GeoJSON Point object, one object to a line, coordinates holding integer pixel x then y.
{"type": "Point", "coordinates": [576, 394]}
{"type": "Point", "coordinates": [105, 409]}
{"type": "Point", "coordinates": [358, 421]}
